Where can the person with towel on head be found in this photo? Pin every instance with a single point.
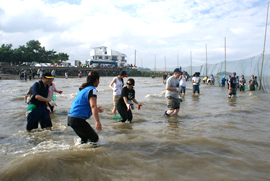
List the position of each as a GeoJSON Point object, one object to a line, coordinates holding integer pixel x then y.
{"type": "Point", "coordinates": [223, 81]}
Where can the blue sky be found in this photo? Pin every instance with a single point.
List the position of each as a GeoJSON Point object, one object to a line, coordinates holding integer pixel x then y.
{"type": "Point", "coordinates": [152, 27]}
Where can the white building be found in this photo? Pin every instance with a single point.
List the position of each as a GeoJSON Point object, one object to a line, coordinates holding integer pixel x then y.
{"type": "Point", "coordinates": [102, 55]}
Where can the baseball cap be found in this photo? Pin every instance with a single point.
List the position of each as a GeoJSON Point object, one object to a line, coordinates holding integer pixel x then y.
{"type": "Point", "coordinates": [177, 70]}
{"type": "Point", "coordinates": [48, 75]}
{"type": "Point", "coordinates": [124, 73]}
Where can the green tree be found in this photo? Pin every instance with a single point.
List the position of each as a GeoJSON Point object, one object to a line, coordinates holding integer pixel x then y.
{"type": "Point", "coordinates": [33, 46]}
{"type": "Point", "coordinates": [6, 53]}
{"type": "Point", "coordinates": [17, 55]}
{"type": "Point", "coordinates": [31, 52]}
{"type": "Point", "coordinates": [62, 57]}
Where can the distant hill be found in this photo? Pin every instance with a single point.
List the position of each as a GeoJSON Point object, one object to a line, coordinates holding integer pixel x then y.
{"type": "Point", "coordinates": [143, 69]}
{"type": "Point", "coordinates": [223, 73]}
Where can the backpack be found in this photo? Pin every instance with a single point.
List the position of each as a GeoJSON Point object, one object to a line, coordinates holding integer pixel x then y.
{"type": "Point", "coordinates": [29, 95]}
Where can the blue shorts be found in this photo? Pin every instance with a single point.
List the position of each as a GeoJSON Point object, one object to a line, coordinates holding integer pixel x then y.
{"type": "Point", "coordinates": [39, 115]}
{"type": "Point", "coordinates": [182, 89]}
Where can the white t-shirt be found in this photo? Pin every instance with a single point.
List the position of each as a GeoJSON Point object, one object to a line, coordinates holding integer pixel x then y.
{"type": "Point", "coordinates": [183, 81]}
{"type": "Point", "coordinates": [117, 85]}
{"type": "Point", "coordinates": [195, 79]}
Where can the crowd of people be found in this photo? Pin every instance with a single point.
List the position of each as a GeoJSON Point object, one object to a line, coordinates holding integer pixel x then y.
{"type": "Point", "coordinates": [30, 73]}
{"type": "Point", "coordinates": [233, 82]}
{"type": "Point", "coordinates": [176, 87]}
{"type": "Point", "coordinates": [85, 105]}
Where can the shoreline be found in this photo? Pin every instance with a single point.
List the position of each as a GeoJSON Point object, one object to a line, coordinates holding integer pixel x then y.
{"type": "Point", "coordinates": [16, 77]}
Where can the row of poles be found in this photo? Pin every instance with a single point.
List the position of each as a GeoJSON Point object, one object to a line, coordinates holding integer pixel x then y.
{"type": "Point", "coordinates": [224, 55]}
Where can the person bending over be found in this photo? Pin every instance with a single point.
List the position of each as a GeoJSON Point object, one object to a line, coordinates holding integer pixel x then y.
{"type": "Point", "coordinates": [37, 109]}
{"type": "Point", "coordinates": [83, 107]}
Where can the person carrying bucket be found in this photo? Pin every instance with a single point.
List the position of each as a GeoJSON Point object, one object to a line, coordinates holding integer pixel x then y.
{"type": "Point", "coordinates": [242, 83]}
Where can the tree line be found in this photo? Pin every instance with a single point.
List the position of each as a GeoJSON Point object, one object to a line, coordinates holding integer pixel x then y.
{"type": "Point", "coordinates": [31, 52]}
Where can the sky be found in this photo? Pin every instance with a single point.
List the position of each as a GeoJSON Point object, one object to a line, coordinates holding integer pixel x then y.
{"type": "Point", "coordinates": [161, 31]}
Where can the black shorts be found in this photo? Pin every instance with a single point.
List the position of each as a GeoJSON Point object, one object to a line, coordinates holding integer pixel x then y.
{"type": "Point", "coordinates": [232, 92]}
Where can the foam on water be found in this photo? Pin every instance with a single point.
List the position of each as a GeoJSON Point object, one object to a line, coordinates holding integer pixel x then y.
{"type": "Point", "coordinates": [212, 138]}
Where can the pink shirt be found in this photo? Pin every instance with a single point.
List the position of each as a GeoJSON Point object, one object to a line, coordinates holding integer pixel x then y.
{"type": "Point", "coordinates": [52, 89]}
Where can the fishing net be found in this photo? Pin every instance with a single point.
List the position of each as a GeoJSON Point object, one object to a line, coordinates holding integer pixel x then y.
{"type": "Point", "coordinates": [246, 67]}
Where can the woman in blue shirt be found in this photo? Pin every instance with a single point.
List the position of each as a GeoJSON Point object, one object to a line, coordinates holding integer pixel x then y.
{"type": "Point", "coordinates": [83, 107]}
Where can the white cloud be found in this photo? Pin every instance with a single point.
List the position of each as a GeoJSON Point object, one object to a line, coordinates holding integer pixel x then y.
{"type": "Point", "coordinates": [161, 28]}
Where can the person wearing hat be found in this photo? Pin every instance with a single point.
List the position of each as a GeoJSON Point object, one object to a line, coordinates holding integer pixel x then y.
{"type": "Point", "coordinates": [232, 85]}
{"type": "Point", "coordinates": [173, 93]}
{"type": "Point", "coordinates": [252, 83]}
{"type": "Point", "coordinates": [39, 103]}
{"type": "Point", "coordinates": [196, 81]}
{"type": "Point", "coordinates": [116, 85]}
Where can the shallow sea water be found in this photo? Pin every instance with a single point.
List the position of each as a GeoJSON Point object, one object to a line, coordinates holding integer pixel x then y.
{"type": "Point", "coordinates": [212, 138]}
